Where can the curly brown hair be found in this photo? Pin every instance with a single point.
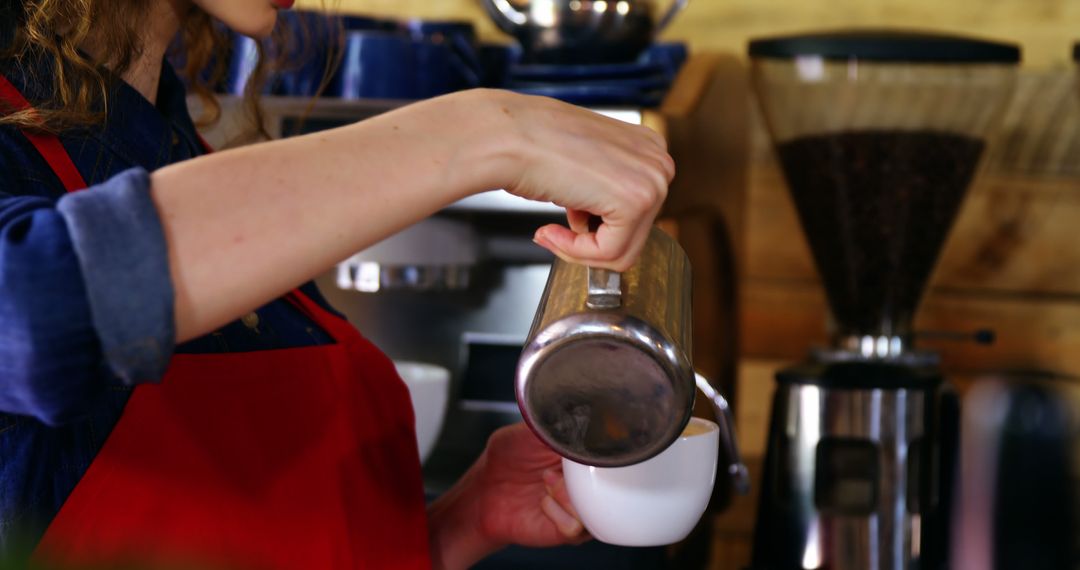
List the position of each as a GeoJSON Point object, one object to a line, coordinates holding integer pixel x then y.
{"type": "Point", "coordinates": [53, 31]}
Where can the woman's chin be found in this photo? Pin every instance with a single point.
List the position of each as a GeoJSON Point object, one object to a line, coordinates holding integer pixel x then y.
{"type": "Point", "coordinates": [257, 30]}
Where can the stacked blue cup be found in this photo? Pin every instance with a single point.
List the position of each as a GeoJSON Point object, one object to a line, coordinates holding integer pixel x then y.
{"type": "Point", "coordinates": [378, 59]}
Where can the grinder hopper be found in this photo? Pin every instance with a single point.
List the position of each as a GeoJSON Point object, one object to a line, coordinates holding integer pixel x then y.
{"type": "Point", "coordinates": [879, 135]}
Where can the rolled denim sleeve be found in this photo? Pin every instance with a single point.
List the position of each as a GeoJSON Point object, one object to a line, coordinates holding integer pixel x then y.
{"type": "Point", "coordinates": [49, 355]}
{"type": "Point", "coordinates": [79, 297]}
{"type": "Point", "coordinates": [117, 236]}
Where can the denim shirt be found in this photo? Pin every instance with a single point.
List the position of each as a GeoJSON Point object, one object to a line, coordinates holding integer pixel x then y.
{"type": "Point", "coordinates": [86, 300]}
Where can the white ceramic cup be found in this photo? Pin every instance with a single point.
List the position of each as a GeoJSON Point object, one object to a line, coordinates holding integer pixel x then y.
{"type": "Point", "coordinates": [429, 388]}
{"type": "Point", "coordinates": [653, 503]}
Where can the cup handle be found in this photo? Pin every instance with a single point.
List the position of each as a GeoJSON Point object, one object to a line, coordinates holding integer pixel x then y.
{"type": "Point", "coordinates": [736, 469]}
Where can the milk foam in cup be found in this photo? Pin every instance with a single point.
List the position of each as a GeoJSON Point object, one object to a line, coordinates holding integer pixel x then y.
{"type": "Point", "coordinates": [653, 503]}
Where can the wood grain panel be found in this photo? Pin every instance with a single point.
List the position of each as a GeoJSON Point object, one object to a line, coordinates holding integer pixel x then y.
{"type": "Point", "coordinates": [783, 319]}
{"type": "Point", "coordinates": [730, 551]}
{"type": "Point", "coordinates": [1014, 234]}
{"type": "Point", "coordinates": [705, 122]}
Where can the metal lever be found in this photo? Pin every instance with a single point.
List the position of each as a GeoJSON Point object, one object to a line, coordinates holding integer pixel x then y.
{"type": "Point", "coordinates": [605, 289]}
{"type": "Point", "coordinates": [605, 285]}
{"type": "Point", "coordinates": [736, 469]}
{"type": "Point", "coordinates": [979, 336]}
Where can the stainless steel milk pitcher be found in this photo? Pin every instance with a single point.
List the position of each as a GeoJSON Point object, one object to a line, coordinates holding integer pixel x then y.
{"type": "Point", "coordinates": [605, 377]}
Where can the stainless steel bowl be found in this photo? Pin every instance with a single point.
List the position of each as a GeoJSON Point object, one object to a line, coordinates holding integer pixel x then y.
{"type": "Point", "coordinates": [581, 31]}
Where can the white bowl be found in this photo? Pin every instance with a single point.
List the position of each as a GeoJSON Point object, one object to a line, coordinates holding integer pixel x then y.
{"type": "Point", "coordinates": [429, 387]}
{"type": "Point", "coordinates": [653, 503]}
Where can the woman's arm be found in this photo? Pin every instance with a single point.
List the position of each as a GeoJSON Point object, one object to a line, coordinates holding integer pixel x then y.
{"type": "Point", "coordinates": [101, 276]}
{"type": "Point", "coordinates": [245, 226]}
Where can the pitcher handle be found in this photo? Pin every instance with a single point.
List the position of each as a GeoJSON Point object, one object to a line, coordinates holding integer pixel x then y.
{"type": "Point", "coordinates": [605, 289]}
{"type": "Point", "coordinates": [736, 469]}
{"type": "Point", "coordinates": [605, 285]}
{"type": "Point", "coordinates": [676, 7]}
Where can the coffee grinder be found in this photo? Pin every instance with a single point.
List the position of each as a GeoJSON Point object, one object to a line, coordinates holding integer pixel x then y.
{"type": "Point", "coordinates": [879, 135]}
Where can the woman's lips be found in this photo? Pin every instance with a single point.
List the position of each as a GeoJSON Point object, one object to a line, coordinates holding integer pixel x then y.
{"type": "Point", "coordinates": [284, 4]}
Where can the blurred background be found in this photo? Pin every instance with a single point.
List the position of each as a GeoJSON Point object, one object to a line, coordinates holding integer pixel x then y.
{"type": "Point", "coordinates": [1042, 27]}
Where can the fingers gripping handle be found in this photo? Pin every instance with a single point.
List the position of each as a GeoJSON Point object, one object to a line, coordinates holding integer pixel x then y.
{"type": "Point", "coordinates": [605, 285]}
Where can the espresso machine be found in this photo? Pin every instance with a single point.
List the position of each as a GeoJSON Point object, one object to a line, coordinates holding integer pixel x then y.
{"type": "Point", "coordinates": [879, 135]}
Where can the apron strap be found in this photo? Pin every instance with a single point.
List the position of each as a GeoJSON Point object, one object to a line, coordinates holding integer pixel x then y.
{"type": "Point", "coordinates": [338, 328]}
{"type": "Point", "coordinates": [206, 146]}
{"type": "Point", "coordinates": [48, 146]}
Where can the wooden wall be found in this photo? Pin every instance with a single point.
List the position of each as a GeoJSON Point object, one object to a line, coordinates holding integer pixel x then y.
{"type": "Point", "coordinates": [1046, 28]}
{"type": "Point", "coordinates": [1011, 264]}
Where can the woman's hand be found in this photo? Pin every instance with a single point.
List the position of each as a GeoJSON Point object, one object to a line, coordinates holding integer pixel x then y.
{"type": "Point", "coordinates": [590, 164]}
{"type": "Point", "coordinates": [514, 494]}
{"type": "Point", "coordinates": [246, 225]}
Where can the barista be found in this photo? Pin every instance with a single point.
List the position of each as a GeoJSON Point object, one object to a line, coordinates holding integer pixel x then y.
{"type": "Point", "coordinates": [173, 388]}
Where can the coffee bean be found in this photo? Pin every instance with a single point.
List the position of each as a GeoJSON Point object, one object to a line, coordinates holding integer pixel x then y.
{"type": "Point", "coordinates": [876, 207]}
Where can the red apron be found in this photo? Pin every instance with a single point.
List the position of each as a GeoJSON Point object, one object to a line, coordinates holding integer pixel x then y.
{"type": "Point", "coordinates": [297, 458]}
